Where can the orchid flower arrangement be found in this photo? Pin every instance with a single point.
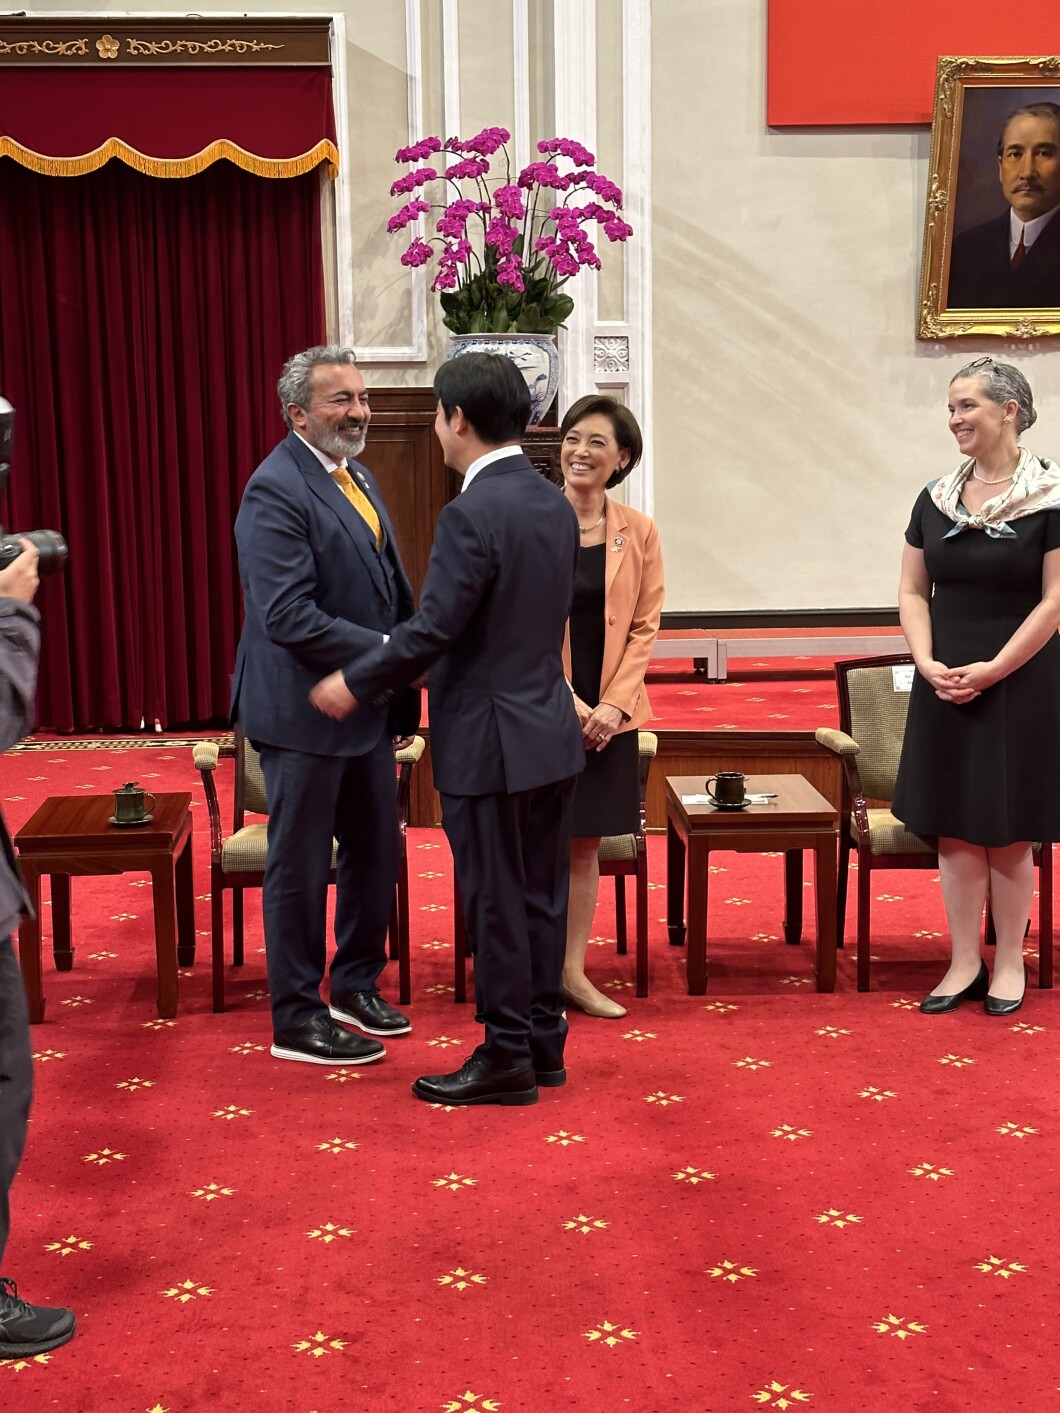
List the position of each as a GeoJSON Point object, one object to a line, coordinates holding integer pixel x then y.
{"type": "Point", "coordinates": [506, 251]}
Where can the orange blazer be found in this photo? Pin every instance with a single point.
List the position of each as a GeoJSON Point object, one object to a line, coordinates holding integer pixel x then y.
{"type": "Point", "coordinates": [633, 600]}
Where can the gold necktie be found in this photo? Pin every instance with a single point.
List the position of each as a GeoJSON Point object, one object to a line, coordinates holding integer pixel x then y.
{"type": "Point", "coordinates": [360, 502]}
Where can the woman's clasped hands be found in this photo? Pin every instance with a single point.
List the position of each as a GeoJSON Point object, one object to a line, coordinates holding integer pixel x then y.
{"type": "Point", "coordinates": [960, 684]}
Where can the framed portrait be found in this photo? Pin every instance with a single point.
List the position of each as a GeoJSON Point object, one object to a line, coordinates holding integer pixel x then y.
{"type": "Point", "coordinates": [991, 262]}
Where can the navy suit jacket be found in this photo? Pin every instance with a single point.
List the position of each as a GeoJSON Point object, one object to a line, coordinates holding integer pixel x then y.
{"type": "Point", "coordinates": [316, 596]}
{"type": "Point", "coordinates": [981, 274]}
{"type": "Point", "coordinates": [490, 626]}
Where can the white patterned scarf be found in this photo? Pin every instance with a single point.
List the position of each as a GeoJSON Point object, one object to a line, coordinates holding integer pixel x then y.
{"type": "Point", "coordinates": [1035, 486]}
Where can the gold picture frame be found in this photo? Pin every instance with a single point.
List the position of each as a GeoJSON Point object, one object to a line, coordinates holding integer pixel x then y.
{"type": "Point", "coordinates": [966, 203]}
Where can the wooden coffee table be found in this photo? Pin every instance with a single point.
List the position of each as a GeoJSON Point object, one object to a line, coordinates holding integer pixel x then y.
{"type": "Point", "coordinates": [70, 836]}
{"type": "Point", "coordinates": [799, 818]}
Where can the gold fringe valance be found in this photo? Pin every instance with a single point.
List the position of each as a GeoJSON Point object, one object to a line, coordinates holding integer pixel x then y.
{"type": "Point", "coordinates": [324, 152]}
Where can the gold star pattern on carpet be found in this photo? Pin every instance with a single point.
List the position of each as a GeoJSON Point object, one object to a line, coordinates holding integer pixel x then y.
{"type": "Point", "coordinates": [337, 1145]}
{"type": "Point", "coordinates": [68, 1245]}
{"type": "Point", "coordinates": [731, 1272]}
{"type": "Point", "coordinates": [187, 1290]}
{"type": "Point", "coordinates": [778, 1395]}
{"type": "Point", "coordinates": [994, 1266]}
{"type": "Point", "coordinates": [832, 1032]}
{"type": "Point", "coordinates": [42, 1056]}
{"type": "Point", "coordinates": [904, 1004]}
{"type": "Point", "coordinates": [459, 1279]}
{"type": "Point", "coordinates": [1011, 1130]}
{"type": "Point", "coordinates": [721, 1007]}
{"type": "Point", "coordinates": [930, 1171]}
{"type": "Point", "coordinates": [899, 1326]}
{"type": "Point", "coordinates": [694, 1176]}
{"type": "Point", "coordinates": [210, 1191]}
{"type": "Point", "coordinates": [871, 1092]}
{"type": "Point", "coordinates": [319, 1344]}
{"type": "Point", "coordinates": [342, 1076]}
{"type": "Point", "coordinates": [639, 1035]}
{"type": "Point", "coordinates": [105, 1155]}
{"type": "Point", "coordinates": [750, 1063]}
{"type": "Point", "coordinates": [248, 1047]}
{"type": "Point", "coordinates": [232, 1111]}
{"type": "Point", "coordinates": [78, 1001]}
{"type": "Point", "coordinates": [102, 956]}
{"type": "Point", "coordinates": [443, 1042]}
{"type": "Point", "coordinates": [663, 1099]}
{"type": "Point", "coordinates": [786, 1131]}
{"type": "Point", "coordinates": [1022, 1028]}
{"type": "Point", "coordinates": [328, 1232]}
{"type": "Point", "coordinates": [158, 1024]}
{"type": "Point", "coordinates": [585, 1225]}
{"type": "Point", "coordinates": [17, 1365]}
{"type": "Point", "coordinates": [563, 1138]}
{"type": "Point", "coordinates": [135, 1083]}
{"type": "Point", "coordinates": [454, 1182]}
{"type": "Point", "coordinates": [834, 1217]}
{"type": "Point", "coordinates": [957, 1062]}
{"type": "Point", "coordinates": [469, 1402]}
{"type": "Point", "coordinates": [609, 1334]}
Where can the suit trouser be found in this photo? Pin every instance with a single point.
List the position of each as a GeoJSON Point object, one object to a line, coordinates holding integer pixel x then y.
{"type": "Point", "coordinates": [16, 1078]}
{"type": "Point", "coordinates": [311, 799]}
{"type": "Point", "coordinates": [512, 857]}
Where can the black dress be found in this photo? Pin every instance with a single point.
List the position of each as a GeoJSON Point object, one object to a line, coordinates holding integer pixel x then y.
{"type": "Point", "coordinates": [987, 772]}
{"type": "Point", "coordinates": [607, 798]}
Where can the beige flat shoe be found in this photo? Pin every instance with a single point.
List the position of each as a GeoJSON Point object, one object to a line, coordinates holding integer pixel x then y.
{"type": "Point", "coordinates": [596, 1005]}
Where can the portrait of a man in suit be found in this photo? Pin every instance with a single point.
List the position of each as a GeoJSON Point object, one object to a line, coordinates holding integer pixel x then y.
{"type": "Point", "coordinates": [1012, 261]}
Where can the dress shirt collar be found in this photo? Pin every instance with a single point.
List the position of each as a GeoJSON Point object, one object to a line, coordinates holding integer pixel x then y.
{"type": "Point", "coordinates": [1031, 229]}
{"type": "Point", "coordinates": [497, 454]}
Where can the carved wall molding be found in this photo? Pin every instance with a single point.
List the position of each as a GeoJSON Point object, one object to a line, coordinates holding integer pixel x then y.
{"type": "Point", "coordinates": [154, 41]}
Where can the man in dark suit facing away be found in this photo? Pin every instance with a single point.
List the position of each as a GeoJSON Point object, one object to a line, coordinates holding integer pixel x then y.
{"type": "Point", "coordinates": [1013, 261]}
{"type": "Point", "coordinates": [505, 740]}
{"type": "Point", "coordinates": [322, 583]}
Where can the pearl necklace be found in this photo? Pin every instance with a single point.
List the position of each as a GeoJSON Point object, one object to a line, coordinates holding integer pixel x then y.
{"type": "Point", "coordinates": [986, 481]}
{"type": "Point", "coordinates": [587, 529]}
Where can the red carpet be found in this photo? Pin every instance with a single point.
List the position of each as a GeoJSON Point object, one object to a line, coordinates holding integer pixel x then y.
{"type": "Point", "coordinates": [759, 1198]}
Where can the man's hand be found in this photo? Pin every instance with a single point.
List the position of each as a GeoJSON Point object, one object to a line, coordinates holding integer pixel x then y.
{"type": "Point", "coordinates": [20, 579]}
{"type": "Point", "coordinates": [333, 697]}
{"type": "Point", "coordinates": [402, 743]}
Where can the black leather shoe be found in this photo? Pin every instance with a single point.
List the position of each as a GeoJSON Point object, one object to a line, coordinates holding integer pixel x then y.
{"type": "Point", "coordinates": [975, 991]}
{"type": "Point", "coordinates": [476, 1083]}
{"type": "Point", "coordinates": [26, 1330]}
{"type": "Point", "coordinates": [551, 1079]}
{"type": "Point", "coordinates": [320, 1041]}
{"type": "Point", "coordinates": [369, 1012]}
{"type": "Point", "coordinates": [998, 1006]}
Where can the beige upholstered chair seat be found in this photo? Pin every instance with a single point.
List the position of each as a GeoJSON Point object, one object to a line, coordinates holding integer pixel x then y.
{"type": "Point", "coordinates": [888, 835]}
{"type": "Point", "coordinates": [245, 850]}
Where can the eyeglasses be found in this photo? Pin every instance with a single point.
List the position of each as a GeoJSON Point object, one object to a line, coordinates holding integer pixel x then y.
{"type": "Point", "coordinates": [982, 363]}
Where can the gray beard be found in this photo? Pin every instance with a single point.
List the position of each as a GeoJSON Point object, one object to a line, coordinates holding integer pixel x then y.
{"type": "Point", "coordinates": [338, 443]}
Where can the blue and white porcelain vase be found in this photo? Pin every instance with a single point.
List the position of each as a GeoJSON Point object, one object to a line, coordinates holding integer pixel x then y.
{"type": "Point", "coordinates": [533, 354]}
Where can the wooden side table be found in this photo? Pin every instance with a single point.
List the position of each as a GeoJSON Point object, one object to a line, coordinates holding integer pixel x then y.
{"type": "Point", "coordinates": [70, 836]}
{"type": "Point", "coordinates": [798, 818]}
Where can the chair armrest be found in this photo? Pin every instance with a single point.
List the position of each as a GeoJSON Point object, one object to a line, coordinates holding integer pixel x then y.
{"type": "Point", "coordinates": [412, 752]}
{"type": "Point", "coordinates": [205, 754]}
{"type": "Point", "coordinates": [836, 741]}
{"type": "Point", "coordinates": [647, 744]}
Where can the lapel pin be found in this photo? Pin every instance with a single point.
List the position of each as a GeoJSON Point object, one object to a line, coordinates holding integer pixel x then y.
{"type": "Point", "coordinates": [619, 542]}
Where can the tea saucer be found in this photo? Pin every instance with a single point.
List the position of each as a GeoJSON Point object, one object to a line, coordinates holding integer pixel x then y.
{"type": "Point", "coordinates": [130, 823]}
{"type": "Point", "coordinates": [719, 805]}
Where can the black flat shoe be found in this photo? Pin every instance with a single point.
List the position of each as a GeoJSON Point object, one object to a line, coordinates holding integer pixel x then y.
{"type": "Point", "coordinates": [369, 1012]}
{"type": "Point", "coordinates": [476, 1083]}
{"type": "Point", "coordinates": [998, 1006]}
{"type": "Point", "coordinates": [551, 1079]}
{"type": "Point", "coordinates": [975, 991]}
{"type": "Point", "coordinates": [321, 1041]}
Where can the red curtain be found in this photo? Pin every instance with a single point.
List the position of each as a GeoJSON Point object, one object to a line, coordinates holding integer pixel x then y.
{"type": "Point", "coordinates": [143, 324]}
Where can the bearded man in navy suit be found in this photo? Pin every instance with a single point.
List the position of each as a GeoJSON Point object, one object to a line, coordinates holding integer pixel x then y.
{"type": "Point", "coordinates": [505, 740]}
{"type": "Point", "coordinates": [322, 583]}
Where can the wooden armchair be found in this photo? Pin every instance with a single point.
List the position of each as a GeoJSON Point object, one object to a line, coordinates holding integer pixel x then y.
{"type": "Point", "coordinates": [621, 855]}
{"type": "Point", "coordinates": [237, 860]}
{"type": "Point", "coordinates": [872, 716]}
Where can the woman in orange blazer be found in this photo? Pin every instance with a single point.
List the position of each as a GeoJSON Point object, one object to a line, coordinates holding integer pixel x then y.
{"type": "Point", "coordinates": [618, 597]}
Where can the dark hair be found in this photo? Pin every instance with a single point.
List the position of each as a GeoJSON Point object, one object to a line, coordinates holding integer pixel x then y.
{"type": "Point", "coordinates": [1032, 110]}
{"type": "Point", "coordinates": [623, 424]}
{"type": "Point", "coordinates": [491, 393]}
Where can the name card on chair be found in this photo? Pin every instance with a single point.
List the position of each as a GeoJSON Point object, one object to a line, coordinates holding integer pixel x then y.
{"type": "Point", "coordinates": [902, 677]}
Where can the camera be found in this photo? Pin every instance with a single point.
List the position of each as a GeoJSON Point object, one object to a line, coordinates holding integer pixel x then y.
{"type": "Point", "coordinates": [50, 544]}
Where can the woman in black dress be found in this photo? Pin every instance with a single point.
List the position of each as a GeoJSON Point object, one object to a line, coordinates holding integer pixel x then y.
{"type": "Point", "coordinates": [980, 606]}
{"type": "Point", "coordinates": [618, 596]}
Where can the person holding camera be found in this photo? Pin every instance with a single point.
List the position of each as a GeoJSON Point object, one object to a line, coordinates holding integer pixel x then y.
{"type": "Point", "coordinates": [25, 1330]}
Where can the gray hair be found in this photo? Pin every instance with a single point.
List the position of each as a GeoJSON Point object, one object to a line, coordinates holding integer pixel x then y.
{"type": "Point", "coordinates": [1003, 383]}
{"type": "Point", "coordinates": [1032, 110]}
{"type": "Point", "coordinates": [296, 380]}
